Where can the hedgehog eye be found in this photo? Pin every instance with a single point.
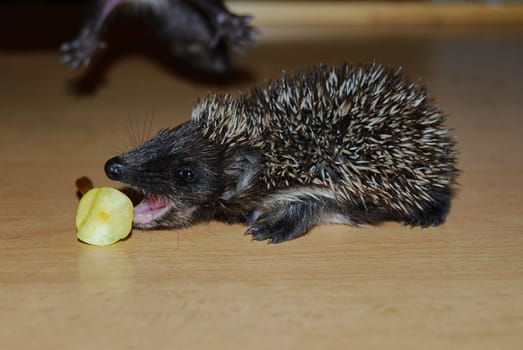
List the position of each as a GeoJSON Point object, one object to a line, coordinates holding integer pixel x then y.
{"type": "Point", "coordinates": [186, 175]}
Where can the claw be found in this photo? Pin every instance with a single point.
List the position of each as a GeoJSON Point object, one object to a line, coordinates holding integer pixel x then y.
{"type": "Point", "coordinates": [245, 19]}
{"type": "Point", "coordinates": [67, 58]}
{"type": "Point", "coordinates": [221, 18]}
{"type": "Point", "coordinates": [65, 46]}
{"type": "Point", "coordinates": [255, 235]}
{"type": "Point", "coordinates": [235, 21]}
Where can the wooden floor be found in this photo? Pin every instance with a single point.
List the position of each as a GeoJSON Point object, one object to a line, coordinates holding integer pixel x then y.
{"type": "Point", "coordinates": [458, 286]}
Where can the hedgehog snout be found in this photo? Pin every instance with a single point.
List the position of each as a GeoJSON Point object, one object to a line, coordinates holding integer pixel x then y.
{"type": "Point", "coordinates": [115, 168]}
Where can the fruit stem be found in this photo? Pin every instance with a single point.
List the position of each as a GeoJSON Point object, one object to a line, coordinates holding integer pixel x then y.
{"type": "Point", "coordinates": [84, 184]}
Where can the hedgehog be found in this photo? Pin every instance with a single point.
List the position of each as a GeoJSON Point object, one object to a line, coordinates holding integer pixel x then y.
{"type": "Point", "coordinates": [199, 32]}
{"type": "Point", "coordinates": [348, 145]}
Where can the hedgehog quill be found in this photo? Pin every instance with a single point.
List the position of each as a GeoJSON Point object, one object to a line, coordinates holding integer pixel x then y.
{"type": "Point", "coordinates": [350, 144]}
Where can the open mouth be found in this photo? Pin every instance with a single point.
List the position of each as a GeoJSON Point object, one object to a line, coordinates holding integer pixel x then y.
{"type": "Point", "coordinates": [150, 208]}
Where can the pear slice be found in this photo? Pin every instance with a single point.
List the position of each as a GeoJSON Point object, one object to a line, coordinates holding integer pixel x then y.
{"type": "Point", "coordinates": [104, 216]}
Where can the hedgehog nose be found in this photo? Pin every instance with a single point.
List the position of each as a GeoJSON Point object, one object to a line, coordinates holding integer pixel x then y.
{"type": "Point", "coordinates": [114, 168]}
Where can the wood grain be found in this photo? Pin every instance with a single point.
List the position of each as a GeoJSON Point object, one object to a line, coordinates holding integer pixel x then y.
{"type": "Point", "coordinates": [457, 286]}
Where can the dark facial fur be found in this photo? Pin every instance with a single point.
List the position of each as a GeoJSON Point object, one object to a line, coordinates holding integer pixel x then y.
{"type": "Point", "coordinates": [186, 178]}
{"type": "Point", "coordinates": [353, 145]}
{"type": "Point", "coordinates": [176, 169]}
{"type": "Point", "coordinates": [200, 32]}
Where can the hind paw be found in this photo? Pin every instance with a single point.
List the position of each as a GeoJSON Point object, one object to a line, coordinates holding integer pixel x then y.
{"type": "Point", "coordinates": [433, 213]}
{"type": "Point", "coordinates": [235, 30]}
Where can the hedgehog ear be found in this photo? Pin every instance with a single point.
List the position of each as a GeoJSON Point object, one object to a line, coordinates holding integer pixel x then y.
{"type": "Point", "coordinates": [243, 169]}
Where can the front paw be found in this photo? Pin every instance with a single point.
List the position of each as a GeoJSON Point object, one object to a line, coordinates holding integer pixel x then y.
{"type": "Point", "coordinates": [235, 30]}
{"type": "Point", "coordinates": [275, 231]}
{"type": "Point", "coordinates": [80, 51]}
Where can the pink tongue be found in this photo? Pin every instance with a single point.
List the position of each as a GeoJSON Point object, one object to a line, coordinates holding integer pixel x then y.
{"type": "Point", "coordinates": [149, 209]}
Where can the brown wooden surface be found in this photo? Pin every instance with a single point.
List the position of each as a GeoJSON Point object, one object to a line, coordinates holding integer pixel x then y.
{"type": "Point", "coordinates": [379, 13]}
{"type": "Point", "coordinates": [458, 286]}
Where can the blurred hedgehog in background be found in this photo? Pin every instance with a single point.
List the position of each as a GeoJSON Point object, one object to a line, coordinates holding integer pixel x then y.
{"type": "Point", "coordinates": [352, 145]}
{"type": "Point", "coordinates": [200, 32]}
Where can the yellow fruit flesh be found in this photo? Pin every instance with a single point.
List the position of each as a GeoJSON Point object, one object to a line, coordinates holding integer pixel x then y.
{"type": "Point", "coordinates": [104, 216]}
